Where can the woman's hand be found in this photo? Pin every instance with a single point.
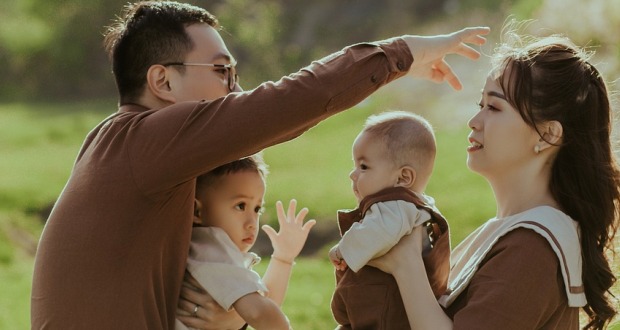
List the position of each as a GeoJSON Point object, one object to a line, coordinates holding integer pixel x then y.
{"type": "Point", "coordinates": [208, 314]}
{"type": "Point", "coordinates": [288, 242]}
{"type": "Point", "coordinates": [429, 53]}
{"type": "Point", "coordinates": [395, 259]}
{"type": "Point", "coordinates": [404, 261]}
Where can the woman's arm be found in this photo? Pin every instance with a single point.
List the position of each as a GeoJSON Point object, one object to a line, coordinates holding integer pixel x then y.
{"type": "Point", "coordinates": [405, 263]}
{"type": "Point", "coordinates": [517, 286]}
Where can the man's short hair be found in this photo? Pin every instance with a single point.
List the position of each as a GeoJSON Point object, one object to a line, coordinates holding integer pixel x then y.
{"type": "Point", "coordinates": [148, 33]}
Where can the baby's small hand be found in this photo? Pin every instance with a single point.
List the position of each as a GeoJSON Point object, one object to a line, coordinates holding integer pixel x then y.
{"type": "Point", "coordinates": [336, 259]}
{"type": "Point", "coordinates": [288, 242]}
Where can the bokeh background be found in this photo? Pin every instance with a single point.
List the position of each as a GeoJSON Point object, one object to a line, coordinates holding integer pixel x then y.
{"type": "Point", "coordinates": [56, 84]}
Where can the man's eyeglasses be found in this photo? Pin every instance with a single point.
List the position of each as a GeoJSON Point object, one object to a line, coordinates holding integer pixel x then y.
{"type": "Point", "coordinates": [229, 71]}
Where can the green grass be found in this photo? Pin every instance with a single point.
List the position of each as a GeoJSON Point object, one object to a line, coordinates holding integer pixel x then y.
{"type": "Point", "coordinates": [307, 303]}
{"type": "Point", "coordinates": [39, 144]}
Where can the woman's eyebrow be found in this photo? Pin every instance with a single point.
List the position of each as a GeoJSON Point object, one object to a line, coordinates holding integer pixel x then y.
{"type": "Point", "coordinates": [497, 94]}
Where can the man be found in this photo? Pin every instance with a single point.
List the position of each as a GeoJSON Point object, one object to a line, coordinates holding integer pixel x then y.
{"type": "Point", "coordinates": [112, 254]}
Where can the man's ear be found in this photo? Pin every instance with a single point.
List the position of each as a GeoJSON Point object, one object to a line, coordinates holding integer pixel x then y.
{"type": "Point", "coordinates": [551, 134]}
{"type": "Point", "coordinates": [197, 218]}
{"type": "Point", "coordinates": [406, 177]}
{"type": "Point", "coordinates": [158, 83]}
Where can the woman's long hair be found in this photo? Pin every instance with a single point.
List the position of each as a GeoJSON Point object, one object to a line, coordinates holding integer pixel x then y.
{"type": "Point", "coordinates": [550, 79]}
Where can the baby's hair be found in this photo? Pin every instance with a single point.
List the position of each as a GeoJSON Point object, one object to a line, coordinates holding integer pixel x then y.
{"type": "Point", "coordinates": [408, 138]}
{"type": "Point", "coordinates": [250, 163]}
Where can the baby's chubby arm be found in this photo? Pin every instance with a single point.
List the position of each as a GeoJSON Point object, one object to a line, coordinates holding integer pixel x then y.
{"type": "Point", "coordinates": [381, 228]}
{"type": "Point", "coordinates": [261, 312]}
{"type": "Point", "coordinates": [287, 244]}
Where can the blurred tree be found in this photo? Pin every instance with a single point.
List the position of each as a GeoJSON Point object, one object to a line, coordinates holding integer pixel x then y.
{"type": "Point", "coordinates": [59, 54]}
{"type": "Point", "coordinates": [252, 31]}
{"type": "Point", "coordinates": [52, 49]}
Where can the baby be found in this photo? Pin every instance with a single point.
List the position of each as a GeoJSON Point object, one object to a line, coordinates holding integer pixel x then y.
{"type": "Point", "coordinates": [393, 157]}
{"type": "Point", "coordinates": [228, 204]}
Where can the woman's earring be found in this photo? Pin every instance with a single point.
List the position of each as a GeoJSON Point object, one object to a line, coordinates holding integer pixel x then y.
{"type": "Point", "coordinates": [537, 149]}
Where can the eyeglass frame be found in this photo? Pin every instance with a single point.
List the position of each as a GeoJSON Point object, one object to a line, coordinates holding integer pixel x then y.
{"type": "Point", "coordinates": [230, 69]}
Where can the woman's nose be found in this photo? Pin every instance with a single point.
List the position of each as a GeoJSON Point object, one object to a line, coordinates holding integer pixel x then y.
{"type": "Point", "coordinates": [474, 122]}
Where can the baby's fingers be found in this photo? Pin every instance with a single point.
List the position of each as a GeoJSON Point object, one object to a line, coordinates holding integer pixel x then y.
{"type": "Point", "coordinates": [271, 233]}
{"type": "Point", "coordinates": [301, 215]}
{"type": "Point", "coordinates": [280, 212]}
{"type": "Point", "coordinates": [308, 225]}
{"type": "Point", "coordinates": [292, 205]}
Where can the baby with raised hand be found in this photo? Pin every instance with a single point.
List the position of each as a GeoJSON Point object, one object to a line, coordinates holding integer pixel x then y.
{"type": "Point", "coordinates": [229, 201]}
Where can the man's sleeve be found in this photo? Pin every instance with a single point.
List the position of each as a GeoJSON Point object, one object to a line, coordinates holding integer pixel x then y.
{"type": "Point", "coordinates": [179, 142]}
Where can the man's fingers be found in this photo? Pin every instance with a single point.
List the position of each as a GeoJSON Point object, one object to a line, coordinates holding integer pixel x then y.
{"type": "Point", "coordinates": [444, 70]}
{"type": "Point", "coordinates": [467, 51]}
{"type": "Point", "coordinates": [192, 322]}
{"type": "Point", "coordinates": [186, 306]}
{"type": "Point", "coordinates": [193, 283]}
{"type": "Point", "coordinates": [473, 34]}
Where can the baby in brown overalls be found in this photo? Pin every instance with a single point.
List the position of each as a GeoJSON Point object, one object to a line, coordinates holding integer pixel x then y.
{"type": "Point", "coordinates": [394, 157]}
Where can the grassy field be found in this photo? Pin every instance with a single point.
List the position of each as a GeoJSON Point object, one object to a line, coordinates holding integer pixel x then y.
{"type": "Point", "coordinates": [39, 144]}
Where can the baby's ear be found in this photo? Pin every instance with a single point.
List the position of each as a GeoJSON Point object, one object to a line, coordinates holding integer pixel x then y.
{"type": "Point", "coordinates": [406, 177]}
{"type": "Point", "coordinates": [196, 219]}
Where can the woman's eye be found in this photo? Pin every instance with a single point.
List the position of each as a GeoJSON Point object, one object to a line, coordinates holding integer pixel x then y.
{"type": "Point", "coordinates": [488, 106]}
{"type": "Point", "coordinates": [223, 72]}
{"type": "Point", "coordinates": [240, 206]}
{"type": "Point", "coordinates": [363, 167]}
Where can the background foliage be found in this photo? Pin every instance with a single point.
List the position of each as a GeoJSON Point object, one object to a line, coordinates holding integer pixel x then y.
{"type": "Point", "coordinates": [56, 85]}
{"type": "Point", "coordinates": [51, 50]}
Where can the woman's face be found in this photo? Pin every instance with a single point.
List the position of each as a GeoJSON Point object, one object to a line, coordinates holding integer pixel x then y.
{"type": "Point", "coordinates": [501, 143]}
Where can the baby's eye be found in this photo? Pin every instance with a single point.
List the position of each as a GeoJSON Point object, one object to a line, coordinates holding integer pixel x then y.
{"type": "Point", "coordinates": [259, 209]}
{"type": "Point", "coordinates": [240, 206]}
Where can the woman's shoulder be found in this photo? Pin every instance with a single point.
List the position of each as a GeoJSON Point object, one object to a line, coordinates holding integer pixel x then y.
{"type": "Point", "coordinates": [526, 244]}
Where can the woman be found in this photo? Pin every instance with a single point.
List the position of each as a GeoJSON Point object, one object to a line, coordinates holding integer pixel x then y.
{"type": "Point", "coordinates": [542, 141]}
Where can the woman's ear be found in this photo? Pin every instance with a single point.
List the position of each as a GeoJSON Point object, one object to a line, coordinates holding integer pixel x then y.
{"type": "Point", "coordinates": [552, 133]}
{"type": "Point", "coordinates": [197, 218]}
{"type": "Point", "coordinates": [406, 177]}
{"type": "Point", "coordinates": [158, 83]}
